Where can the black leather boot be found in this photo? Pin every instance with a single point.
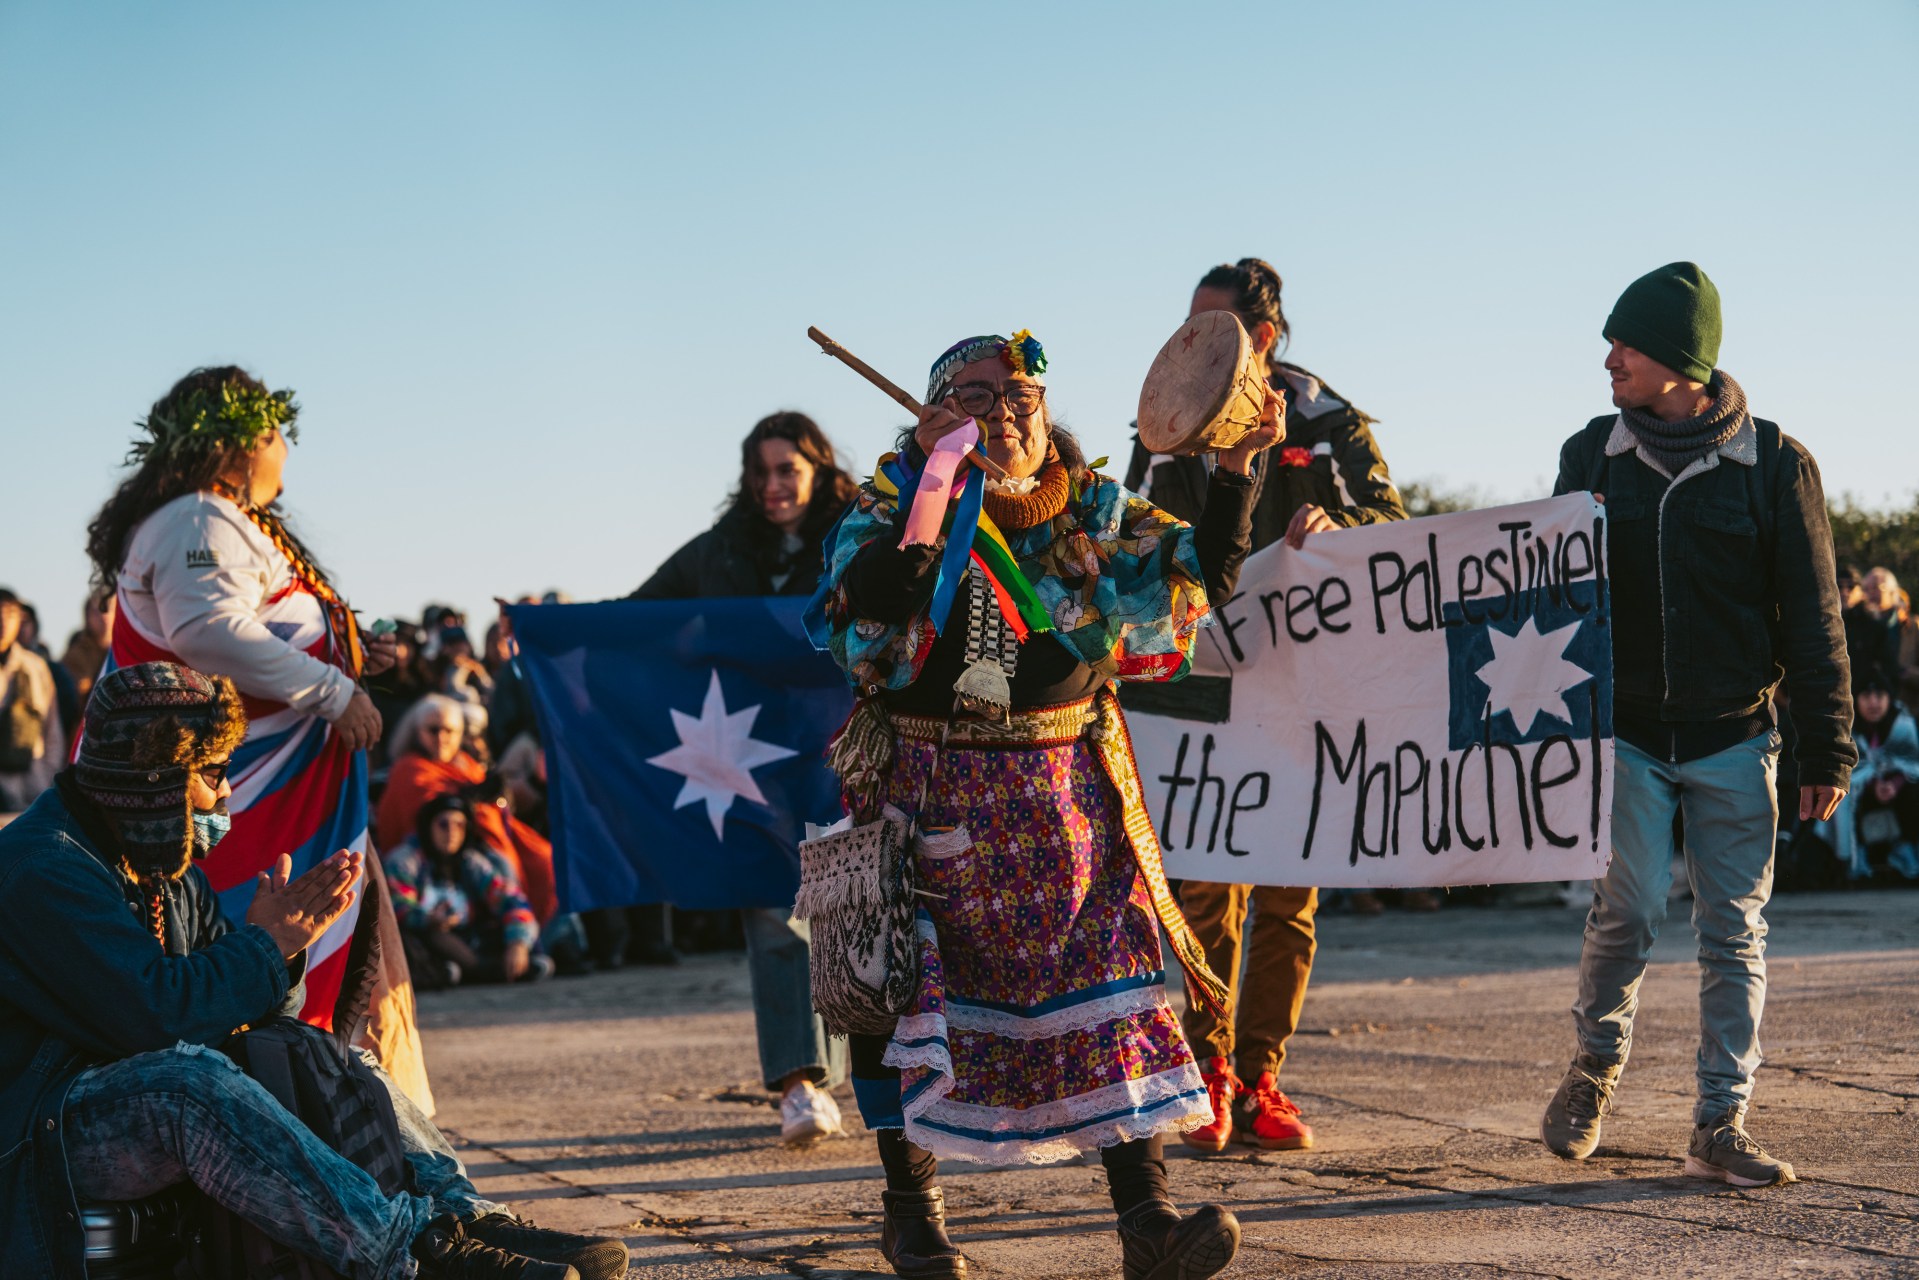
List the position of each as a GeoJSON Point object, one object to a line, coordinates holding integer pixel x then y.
{"type": "Point", "coordinates": [1157, 1244]}
{"type": "Point", "coordinates": [913, 1236]}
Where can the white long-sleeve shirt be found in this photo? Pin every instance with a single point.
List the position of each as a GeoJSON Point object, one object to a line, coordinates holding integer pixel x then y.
{"type": "Point", "coordinates": [202, 582]}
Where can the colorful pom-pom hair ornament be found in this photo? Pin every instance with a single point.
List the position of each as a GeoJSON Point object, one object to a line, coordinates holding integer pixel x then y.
{"type": "Point", "coordinates": [1023, 354]}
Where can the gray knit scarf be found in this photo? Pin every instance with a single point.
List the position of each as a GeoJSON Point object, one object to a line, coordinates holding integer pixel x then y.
{"type": "Point", "coordinates": [1677, 445]}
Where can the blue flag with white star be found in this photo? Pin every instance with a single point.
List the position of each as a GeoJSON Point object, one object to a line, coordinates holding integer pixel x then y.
{"type": "Point", "coordinates": [685, 747]}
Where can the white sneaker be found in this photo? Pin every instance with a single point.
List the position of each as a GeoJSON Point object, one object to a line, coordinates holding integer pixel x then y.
{"type": "Point", "coordinates": [808, 1115]}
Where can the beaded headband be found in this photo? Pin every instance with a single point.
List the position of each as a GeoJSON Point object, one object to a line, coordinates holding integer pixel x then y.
{"type": "Point", "coordinates": [1021, 353]}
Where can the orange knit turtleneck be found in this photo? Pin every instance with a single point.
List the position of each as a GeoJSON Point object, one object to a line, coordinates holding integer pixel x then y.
{"type": "Point", "coordinates": [1024, 510]}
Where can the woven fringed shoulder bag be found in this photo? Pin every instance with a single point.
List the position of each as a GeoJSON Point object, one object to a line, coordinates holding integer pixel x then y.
{"type": "Point", "coordinates": [857, 887]}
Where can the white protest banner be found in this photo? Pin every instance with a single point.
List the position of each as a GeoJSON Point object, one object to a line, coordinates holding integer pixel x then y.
{"type": "Point", "coordinates": [1421, 703]}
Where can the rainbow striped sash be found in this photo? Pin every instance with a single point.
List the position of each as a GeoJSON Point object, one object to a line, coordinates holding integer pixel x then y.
{"type": "Point", "coordinates": [971, 537]}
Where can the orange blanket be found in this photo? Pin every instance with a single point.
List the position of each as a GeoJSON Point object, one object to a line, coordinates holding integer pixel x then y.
{"type": "Point", "coordinates": [415, 780]}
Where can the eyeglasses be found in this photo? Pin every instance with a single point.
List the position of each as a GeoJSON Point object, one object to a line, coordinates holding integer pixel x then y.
{"type": "Point", "coordinates": [214, 774]}
{"type": "Point", "coordinates": [977, 399]}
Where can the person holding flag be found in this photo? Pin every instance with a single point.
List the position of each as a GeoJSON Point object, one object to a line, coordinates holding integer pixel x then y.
{"type": "Point", "coordinates": [985, 661]}
{"type": "Point", "coordinates": [767, 543]}
{"type": "Point", "coordinates": [207, 574]}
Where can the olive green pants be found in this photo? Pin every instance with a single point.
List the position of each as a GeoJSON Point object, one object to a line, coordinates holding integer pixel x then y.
{"type": "Point", "coordinates": [1277, 960]}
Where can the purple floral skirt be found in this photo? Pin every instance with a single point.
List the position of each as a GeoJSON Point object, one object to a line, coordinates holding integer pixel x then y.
{"type": "Point", "coordinates": [1042, 1027]}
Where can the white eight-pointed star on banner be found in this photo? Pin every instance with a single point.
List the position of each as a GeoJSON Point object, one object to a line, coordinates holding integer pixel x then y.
{"type": "Point", "coordinates": [717, 755]}
{"type": "Point", "coordinates": [1529, 674]}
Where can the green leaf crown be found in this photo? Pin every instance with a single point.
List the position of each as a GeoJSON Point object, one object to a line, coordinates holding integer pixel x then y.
{"type": "Point", "coordinates": [215, 418]}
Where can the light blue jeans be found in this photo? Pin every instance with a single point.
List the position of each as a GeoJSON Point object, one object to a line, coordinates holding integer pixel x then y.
{"type": "Point", "coordinates": [792, 1037]}
{"type": "Point", "coordinates": [138, 1126]}
{"type": "Point", "coordinates": [1731, 818]}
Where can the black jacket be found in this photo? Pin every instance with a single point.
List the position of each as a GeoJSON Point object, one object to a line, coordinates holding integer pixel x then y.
{"type": "Point", "coordinates": [733, 558]}
{"type": "Point", "coordinates": [1722, 584]}
{"type": "Point", "coordinates": [1347, 476]}
{"type": "Point", "coordinates": [82, 982]}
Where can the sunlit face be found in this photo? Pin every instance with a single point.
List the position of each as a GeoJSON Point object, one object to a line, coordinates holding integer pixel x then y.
{"type": "Point", "coordinates": [1881, 590]}
{"type": "Point", "coordinates": [100, 613]}
{"type": "Point", "coordinates": [206, 796]}
{"type": "Point", "coordinates": [440, 734]}
{"type": "Point", "coordinates": [10, 618]}
{"type": "Point", "coordinates": [1017, 442]}
{"type": "Point", "coordinates": [266, 469]}
{"type": "Point", "coordinates": [785, 484]}
{"type": "Point", "coordinates": [1872, 705]}
{"type": "Point", "coordinates": [1638, 380]}
{"type": "Point", "coordinates": [448, 832]}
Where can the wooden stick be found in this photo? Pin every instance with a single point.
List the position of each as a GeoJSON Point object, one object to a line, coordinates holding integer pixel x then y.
{"type": "Point", "coordinates": [866, 371]}
{"type": "Point", "coordinates": [893, 391]}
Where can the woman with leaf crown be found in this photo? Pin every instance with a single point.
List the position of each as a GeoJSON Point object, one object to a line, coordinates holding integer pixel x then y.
{"type": "Point", "coordinates": [207, 574]}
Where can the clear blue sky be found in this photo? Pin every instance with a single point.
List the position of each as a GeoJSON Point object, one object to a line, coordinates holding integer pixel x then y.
{"type": "Point", "coordinates": [534, 269]}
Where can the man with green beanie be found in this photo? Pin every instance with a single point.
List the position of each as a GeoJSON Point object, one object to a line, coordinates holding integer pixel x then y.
{"type": "Point", "coordinates": [1723, 586]}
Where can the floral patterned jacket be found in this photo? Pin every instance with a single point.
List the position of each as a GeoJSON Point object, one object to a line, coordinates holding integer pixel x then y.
{"type": "Point", "coordinates": [1121, 580]}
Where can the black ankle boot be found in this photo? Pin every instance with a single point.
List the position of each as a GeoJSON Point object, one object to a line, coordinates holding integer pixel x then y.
{"type": "Point", "coordinates": [1157, 1244]}
{"type": "Point", "coordinates": [913, 1236]}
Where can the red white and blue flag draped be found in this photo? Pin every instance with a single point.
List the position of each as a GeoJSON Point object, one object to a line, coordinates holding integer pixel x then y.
{"type": "Point", "coordinates": [685, 746]}
{"type": "Point", "coordinates": [296, 788]}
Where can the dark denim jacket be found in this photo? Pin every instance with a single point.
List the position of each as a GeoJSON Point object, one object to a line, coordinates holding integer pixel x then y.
{"type": "Point", "coordinates": [82, 982]}
{"type": "Point", "coordinates": [1723, 584]}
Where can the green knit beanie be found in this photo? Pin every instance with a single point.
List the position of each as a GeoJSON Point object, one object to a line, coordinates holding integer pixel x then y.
{"type": "Point", "coordinates": [1670, 315]}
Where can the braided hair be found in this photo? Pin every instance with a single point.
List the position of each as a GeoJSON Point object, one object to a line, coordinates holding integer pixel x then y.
{"type": "Point", "coordinates": [1254, 286]}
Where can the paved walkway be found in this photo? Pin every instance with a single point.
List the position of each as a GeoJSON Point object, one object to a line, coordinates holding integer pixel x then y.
{"type": "Point", "coordinates": [628, 1102]}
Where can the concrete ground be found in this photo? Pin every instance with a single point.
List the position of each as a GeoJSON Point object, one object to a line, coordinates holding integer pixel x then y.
{"type": "Point", "coordinates": [629, 1103]}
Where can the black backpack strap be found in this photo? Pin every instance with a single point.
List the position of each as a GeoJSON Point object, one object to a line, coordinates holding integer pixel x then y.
{"type": "Point", "coordinates": [1763, 477]}
{"type": "Point", "coordinates": [269, 1060]}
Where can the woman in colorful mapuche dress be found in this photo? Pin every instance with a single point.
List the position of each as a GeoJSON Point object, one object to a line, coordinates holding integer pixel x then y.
{"type": "Point", "coordinates": [1042, 1027]}
{"type": "Point", "coordinates": [208, 575]}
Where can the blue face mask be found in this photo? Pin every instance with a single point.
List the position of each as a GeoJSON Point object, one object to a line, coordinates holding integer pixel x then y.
{"type": "Point", "coordinates": [209, 829]}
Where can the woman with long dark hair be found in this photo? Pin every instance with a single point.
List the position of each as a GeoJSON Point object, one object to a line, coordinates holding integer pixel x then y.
{"type": "Point", "coordinates": [767, 543]}
{"type": "Point", "coordinates": [208, 574]}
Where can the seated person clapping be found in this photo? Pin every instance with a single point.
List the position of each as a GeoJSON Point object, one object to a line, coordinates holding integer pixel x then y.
{"type": "Point", "coordinates": [461, 911]}
{"type": "Point", "coordinates": [120, 975]}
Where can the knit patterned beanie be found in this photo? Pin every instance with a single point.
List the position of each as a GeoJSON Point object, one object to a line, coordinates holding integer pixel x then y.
{"type": "Point", "coordinates": [147, 727]}
{"type": "Point", "coordinates": [1670, 315]}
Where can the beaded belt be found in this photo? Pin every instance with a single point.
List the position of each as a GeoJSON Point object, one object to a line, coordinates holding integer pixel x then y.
{"type": "Point", "coordinates": [1052, 726]}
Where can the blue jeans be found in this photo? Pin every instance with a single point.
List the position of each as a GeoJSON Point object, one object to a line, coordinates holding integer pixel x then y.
{"type": "Point", "coordinates": [188, 1114]}
{"type": "Point", "coordinates": [792, 1037]}
{"type": "Point", "coordinates": [1731, 817]}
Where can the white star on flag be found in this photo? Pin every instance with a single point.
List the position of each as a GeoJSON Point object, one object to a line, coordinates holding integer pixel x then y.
{"type": "Point", "coordinates": [717, 755]}
{"type": "Point", "coordinates": [1529, 675]}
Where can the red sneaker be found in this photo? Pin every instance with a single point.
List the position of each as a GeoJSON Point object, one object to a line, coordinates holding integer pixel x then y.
{"type": "Point", "coordinates": [1222, 1086]}
{"type": "Point", "coordinates": [1268, 1118]}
